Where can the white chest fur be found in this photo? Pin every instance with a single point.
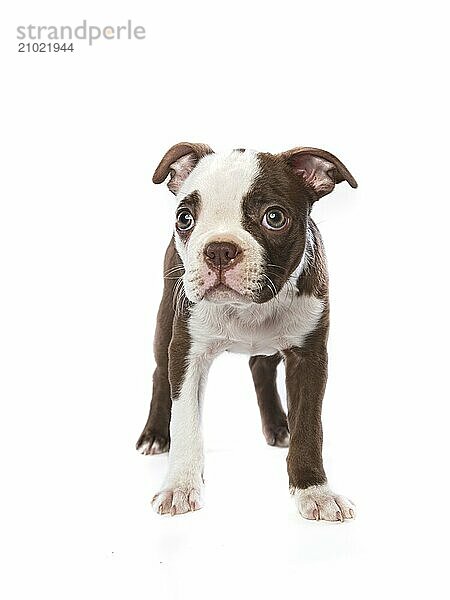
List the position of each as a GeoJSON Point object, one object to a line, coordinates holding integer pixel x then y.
{"type": "Point", "coordinates": [253, 329]}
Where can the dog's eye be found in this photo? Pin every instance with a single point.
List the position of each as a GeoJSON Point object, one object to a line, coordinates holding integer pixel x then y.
{"type": "Point", "coordinates": [274, 218]}
{"type": "Point", "coordinates": [185, 220]}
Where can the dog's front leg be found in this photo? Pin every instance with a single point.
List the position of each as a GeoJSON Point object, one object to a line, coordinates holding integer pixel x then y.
{"type": "Point", "coordinates": [306, 376]}
{"type": "Point", "coordinates": [188, 369]}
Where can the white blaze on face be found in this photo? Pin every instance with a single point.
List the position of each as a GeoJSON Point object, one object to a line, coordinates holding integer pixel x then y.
{"type": "Point", "coordinates": [222, 182]}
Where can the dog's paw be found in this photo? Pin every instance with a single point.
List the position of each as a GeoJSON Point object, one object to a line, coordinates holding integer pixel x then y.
{"type": "Point", "coordinates": [277, 435]}
{"type": "Point", "coordinates": [177, 501]}
{"type": "Point", "coordinates": [318, 502]}
{"type": "Point", "coordinates": [151, 442]}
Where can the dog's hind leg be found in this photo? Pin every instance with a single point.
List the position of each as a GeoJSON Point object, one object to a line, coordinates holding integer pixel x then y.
{"type": "Point", "coordinates": [273, 418]}
{"type": "Point", "coordinates": [155, 439]}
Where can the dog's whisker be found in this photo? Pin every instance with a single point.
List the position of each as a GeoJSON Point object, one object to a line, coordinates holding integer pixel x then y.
{"type": "Point", "coordinates": [290, 291]}
{"type": "Point", "coordinates": [174, 270]}
{"type": "Point", "coordinates": [178, 302]}
{"type": "Point", "coordinates": [169, 273]}
{"type": "Point", "coordinates": [176, 291]}
{"type": "Point", "coordinates": [271, 286]}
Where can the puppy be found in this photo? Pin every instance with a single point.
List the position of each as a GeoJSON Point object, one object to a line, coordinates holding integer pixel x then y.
{"type": "Point", "coordinates": [245, 272]}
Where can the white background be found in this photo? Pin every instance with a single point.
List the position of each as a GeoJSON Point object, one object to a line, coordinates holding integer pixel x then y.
{"type": "Point", "coordinates": [82, 237]}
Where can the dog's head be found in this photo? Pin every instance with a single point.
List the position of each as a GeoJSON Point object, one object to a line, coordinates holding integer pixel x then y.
{"type": "Point", "coordinates": [242, 218]}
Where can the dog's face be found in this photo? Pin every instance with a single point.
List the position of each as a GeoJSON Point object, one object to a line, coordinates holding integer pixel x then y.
{"type": "Point", "coordinates": [241, 218]}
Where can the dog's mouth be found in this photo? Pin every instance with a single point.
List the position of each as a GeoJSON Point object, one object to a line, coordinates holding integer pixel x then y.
{"type": "Point", "coordinates": [220, 286]}
{"type": "Point", "coordinates": [222, 293]}
{"type": "Point", "coordinates": [239, 284]}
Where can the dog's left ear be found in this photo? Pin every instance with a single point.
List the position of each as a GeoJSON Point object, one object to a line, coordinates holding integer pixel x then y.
{"type": "Point", "coordinates": [320, 169]}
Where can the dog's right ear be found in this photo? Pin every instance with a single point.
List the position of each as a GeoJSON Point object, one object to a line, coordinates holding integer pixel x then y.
{"type": "Point", "coordinates": [179, 162]}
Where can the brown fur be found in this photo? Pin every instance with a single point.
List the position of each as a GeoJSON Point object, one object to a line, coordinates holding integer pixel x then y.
{"type": "Point", "coordinates": [273, 418]}
{"type": "Point", "coordinates": [155, 436]}
{"type": "Point", "coordinates": [277, 186]}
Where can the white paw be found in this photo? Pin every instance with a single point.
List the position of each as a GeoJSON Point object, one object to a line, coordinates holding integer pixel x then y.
{"type": "Point", "coordinates": [152, 447]}
{"type": "Point", "coordinates": [150, 443]}
{"type": "Point", "coordinates": [177, 501]}
{"type": "Point", "coordinates": [318, 502]}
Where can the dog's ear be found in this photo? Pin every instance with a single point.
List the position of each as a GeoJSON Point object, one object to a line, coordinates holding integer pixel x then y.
{"type": "Point", "coordinates": [319, 169]}
{"type": "Point", "coordinates": [179, 162]}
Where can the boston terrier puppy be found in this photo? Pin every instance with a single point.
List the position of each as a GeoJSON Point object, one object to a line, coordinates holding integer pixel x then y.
{"type": "Point", "coordinates": [245, 271]}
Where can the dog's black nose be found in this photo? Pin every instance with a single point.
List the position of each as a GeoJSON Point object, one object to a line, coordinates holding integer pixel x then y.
{"type": "Point", "coordinates": [220, 255]}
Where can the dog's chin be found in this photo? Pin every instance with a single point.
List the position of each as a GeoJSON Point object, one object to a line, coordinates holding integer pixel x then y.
{"type": "Point", "coordinates": [223, 294]}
